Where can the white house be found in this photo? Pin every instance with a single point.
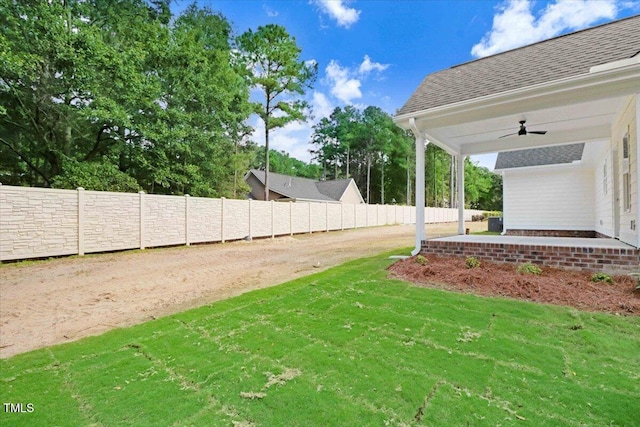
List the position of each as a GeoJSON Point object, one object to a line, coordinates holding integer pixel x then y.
{"type": "Point", "coordinates": [563, 114]}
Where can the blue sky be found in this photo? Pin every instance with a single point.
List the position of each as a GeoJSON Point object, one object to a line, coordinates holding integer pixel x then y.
{"type": "Point", "coordinates": [376, 52]}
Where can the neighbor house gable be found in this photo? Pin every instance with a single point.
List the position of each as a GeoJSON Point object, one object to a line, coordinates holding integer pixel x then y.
{"type": "Point", "coordinates": [302, 189]}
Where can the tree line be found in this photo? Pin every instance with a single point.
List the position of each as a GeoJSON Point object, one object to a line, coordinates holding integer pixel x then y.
{"type": "Point", "coordinates": [367, 146]}
{"type": "Point", "coordinates": [123, 96]}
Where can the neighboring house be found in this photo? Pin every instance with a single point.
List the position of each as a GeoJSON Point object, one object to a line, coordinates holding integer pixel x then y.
{"type": "Point", "coordinates": [583, 89]}
{"type": "Point", "coordinates": [292, 188]}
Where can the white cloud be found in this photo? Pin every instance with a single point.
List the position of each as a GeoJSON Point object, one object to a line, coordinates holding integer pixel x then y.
{"type": "Point", "coordinates": [368, 66]}
{"type": "Point", "coordinates": [271, 13]}
{"type": "Point", "coordinates": [343, 86]}
{"type": "Point", "coordinates": [321, 105]}
{"type": "Point", "coordinates": [345, 16]}
{"type": "Point", "coordinates": [345, 82]}
{"type": "Point", "coordinates": [515, 25]}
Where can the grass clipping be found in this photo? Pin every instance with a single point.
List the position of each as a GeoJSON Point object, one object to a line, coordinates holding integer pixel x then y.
{"type": "Point", "coordinates": [281, 379]}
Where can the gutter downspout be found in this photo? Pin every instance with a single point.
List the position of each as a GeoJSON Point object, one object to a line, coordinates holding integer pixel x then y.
{"type": "Point", "coordinates": [420, 148]}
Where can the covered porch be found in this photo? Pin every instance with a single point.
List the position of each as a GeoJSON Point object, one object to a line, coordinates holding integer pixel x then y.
{"type": "Point", "coordinates": [580, 88]}
{"type": "Point", "coordinates": [589, 254]}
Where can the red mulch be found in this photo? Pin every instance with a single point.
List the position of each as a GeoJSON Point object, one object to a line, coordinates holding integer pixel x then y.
{"type": "Point", "coordinates": [553, 286]}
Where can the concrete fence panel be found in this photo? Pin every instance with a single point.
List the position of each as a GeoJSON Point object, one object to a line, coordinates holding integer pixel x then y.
{"type": "Point", "coordinates": [281, 218]}
{"type": "Point", "coordinates": [261, 223]}
{"type": "Point", "coordinates": [318, 217]}
{"type": "Point", "coordinates": [301, 217]}
{"type": "Point", "coordinates": [111, 221]}
{"type": "Point", "coordinates": [164, 220]}
{"type": "Point", "coordinates": [236, 219]}
{"type": "Point", "coordinates": [205, 220]}
{"type": "Point", "coordinates": [34, 223]}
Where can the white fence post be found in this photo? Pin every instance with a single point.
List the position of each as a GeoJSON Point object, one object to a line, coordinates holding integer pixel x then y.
{"type": "Point", "coordinates": [186, 220]}
{"type": "Point", "coordinates": [250, 218]}
{"type": "Point", "coordinates": [80, 221]}
{"type": "Point", "coordinates": [326, 216]}
{"type": "Point", "coordinates": [310, 227]}
{"type": "Point", "coordinates": [141, 194]}
{"type": "Point", "coordinates": [290, 218]}
{"type": "Point", "coordinates": [222, 219]}
{"type": "Point", "coordinates": [273, 231]}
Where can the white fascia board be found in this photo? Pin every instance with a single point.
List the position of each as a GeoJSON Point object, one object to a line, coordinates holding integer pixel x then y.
{"type": "Point", "coordinates": [582, 88]}
{"type": "Point", "coordinates": [573, 165]}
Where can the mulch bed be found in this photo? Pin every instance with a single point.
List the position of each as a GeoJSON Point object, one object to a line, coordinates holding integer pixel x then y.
{"type": "Point", "coordinates": [553, 286]}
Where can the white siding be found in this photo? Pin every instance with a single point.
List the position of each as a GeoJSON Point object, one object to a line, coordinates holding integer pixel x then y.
{"type": "Point", "coordinates": [553, 198]}
{"type": "Point", "coordinates": [352, 195]}
{"type": "Point", "coordinates": [626, 121]}
{"type": "Point", "coordinates": [603, 203]}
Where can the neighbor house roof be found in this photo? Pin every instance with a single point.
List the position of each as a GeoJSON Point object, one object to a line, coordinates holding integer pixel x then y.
{"type": "Point", "coordinates": [561, 57]}
{"type": "Point", "coordinates": [556, 155]}
{"type": "Point", "coordinates": [294, 187]}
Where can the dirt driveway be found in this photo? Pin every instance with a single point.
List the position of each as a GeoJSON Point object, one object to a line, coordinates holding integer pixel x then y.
{"type": "Point", "coordinates": [65, 299]}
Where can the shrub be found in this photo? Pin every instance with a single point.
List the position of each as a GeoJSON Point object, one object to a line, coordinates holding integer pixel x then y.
{"type": "Point", "coordinates": [529, 268]}
{"type": "Point", "coordinates": [601, 277]}
{"type": "Point", "coordinates": [421, 260]}
{"type": "Point", "coordinates": [472, 262]}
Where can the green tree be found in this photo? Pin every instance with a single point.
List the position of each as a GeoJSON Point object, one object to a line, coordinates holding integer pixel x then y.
{"type": "Point", "coordinates": [121, 84]}
{"type": "Point", "coordinates": [273, 59]}
{"type": "Point", "coordinates": [282, 162]}
{"type": "Point", "coordinates": [368, 147]}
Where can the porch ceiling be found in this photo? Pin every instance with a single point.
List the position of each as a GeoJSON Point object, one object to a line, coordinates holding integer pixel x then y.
{"type": "Point", "coordinates": [577, 109]}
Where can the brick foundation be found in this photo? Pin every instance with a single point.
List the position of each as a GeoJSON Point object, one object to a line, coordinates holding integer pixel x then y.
{"type": "Point", "coordinates": [555, 233]}
{"type": "Point", "coordinates": [607, 260]}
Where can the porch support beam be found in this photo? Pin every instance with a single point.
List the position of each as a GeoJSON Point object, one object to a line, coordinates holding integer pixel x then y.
{"type": "Point", "coordinates": [460, 180]}
{"type": "Point", "coordinates": [420, 145]}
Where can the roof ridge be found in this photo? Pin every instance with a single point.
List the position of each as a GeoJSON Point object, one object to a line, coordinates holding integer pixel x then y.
{"type": "Point", "coordinates": [604, 24]}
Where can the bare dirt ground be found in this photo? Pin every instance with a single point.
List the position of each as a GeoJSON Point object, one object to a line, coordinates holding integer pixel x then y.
{"type": "Point", "coordinates": [553, 286]}
{"type": "Point", "coordinates": [55, 301]}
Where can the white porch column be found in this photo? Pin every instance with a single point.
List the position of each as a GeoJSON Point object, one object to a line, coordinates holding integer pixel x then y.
{"type": "Point", "coordinates": [420, 227]}
{"type": "Point", "coordinates": [637, 159]}
{"type": "Point", "coordinates": [461, 193]}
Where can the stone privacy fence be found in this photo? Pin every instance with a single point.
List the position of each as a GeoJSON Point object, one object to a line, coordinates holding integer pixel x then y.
{"type": "Point", "coordinates": [44, 222]}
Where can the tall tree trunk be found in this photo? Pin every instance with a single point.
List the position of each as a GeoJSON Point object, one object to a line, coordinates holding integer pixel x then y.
{"type": "Point", "coordinates": [347, 162]}
{"type": "Point", "coordinates": [266, 158]}
{"type": "Point", "coordinates": [368, 175]}
{"type": "Point", "coordinates": [382, 182]}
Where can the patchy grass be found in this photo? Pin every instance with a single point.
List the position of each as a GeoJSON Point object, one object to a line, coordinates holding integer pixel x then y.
{"type": "Point", "coordinates": [343, 347]}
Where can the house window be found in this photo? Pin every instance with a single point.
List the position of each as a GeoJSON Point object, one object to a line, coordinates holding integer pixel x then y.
{"type": "Point", "coordinates": [605, 179]}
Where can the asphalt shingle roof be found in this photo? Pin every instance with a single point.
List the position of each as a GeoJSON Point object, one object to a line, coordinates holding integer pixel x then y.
{"type": "Point", "coordinates": [304, 188]}
{"type": "Point", "coordinates": [561, 57]}
{"type": "Point", "coordinates": [556, 155]}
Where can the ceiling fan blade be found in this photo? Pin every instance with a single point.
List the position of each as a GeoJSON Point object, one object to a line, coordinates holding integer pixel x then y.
{"type": "Point", "coordinates": [538, 132]}
{"type": "Point", "coordinates": [510, 134]}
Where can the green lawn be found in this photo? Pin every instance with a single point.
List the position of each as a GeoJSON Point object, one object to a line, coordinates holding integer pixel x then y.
{"type": "Point", "coordinates": [345, 347]}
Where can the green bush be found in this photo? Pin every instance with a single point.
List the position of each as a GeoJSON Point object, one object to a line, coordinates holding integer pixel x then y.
{"type": "Point", "coordinates": [472, 262]}
{"type": "Point", "coordinates": [529, 268]}
{"type": "Point", "coordinates": [421, 260]}
{"type": "Point", "coordinates": [601, 277]}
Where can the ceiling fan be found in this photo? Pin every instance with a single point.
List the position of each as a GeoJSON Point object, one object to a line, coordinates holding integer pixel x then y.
{"type": "Point", "coordinates": [523, 131]}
